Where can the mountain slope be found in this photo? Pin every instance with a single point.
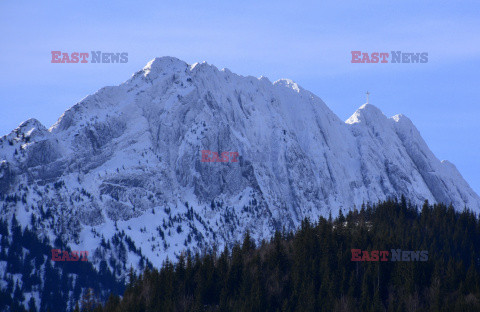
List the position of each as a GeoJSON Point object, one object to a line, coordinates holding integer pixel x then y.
{"type": "Point", "coordinates": [128, 158]}
{"type": "Point", "coordinates": [30, 279]}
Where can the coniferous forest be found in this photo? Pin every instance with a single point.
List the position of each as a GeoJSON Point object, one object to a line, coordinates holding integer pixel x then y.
{"type": "Point", "coordinates": [312, 269]}
{"type": "Point", "coordinates": [309, 270]}
{"type": "Point", "coordinates": [29, 269]}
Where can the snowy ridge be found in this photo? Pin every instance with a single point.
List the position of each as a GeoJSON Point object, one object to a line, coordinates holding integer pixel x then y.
{"type": "Point", "coordinates": [127, 159]}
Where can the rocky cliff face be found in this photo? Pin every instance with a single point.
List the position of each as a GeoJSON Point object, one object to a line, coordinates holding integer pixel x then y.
{"type": "Point", "coordinates": [128, 159]}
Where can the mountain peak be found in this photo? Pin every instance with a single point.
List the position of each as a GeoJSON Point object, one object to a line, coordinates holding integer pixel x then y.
{"type": "Point", "coordinates": [164, 64]}
{"type": "Point", "coordinates": [402, 120]}
{"type": "Point", "coordinates": [288, 83]}
{"type": "Point", "coordinates": [206, 69]}
{"type": "Point", "coordinates": [30, 126]}
{"type": "Point", "coordinates": [366, 113]}
{"type": "Point", "coordinates": [31, 122]}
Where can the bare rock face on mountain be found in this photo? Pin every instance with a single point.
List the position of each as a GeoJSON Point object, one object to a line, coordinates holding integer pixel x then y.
{"type": "Point", "coordinates": [128, 159]}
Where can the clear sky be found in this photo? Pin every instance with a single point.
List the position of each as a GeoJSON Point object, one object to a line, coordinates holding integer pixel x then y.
{"type": "Point", "coordinates": [309, 42]}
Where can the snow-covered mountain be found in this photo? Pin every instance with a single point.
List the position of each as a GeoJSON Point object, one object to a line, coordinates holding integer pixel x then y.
{"type": "Point", "coordinates": [128, 159]}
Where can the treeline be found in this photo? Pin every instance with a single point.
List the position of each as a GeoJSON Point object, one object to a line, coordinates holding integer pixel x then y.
{"type": "Point", "coordinates": [311, 270]}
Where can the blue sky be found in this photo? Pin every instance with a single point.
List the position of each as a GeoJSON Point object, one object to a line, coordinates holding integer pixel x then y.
{"type": "Point", "coordinates": [307, 41]}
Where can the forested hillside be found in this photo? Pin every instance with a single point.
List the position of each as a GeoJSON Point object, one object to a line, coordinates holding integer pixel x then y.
{"type": "Point", "coordinates": [312, 269]}
{"type": "Point", "coordinates": [30, 280]}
